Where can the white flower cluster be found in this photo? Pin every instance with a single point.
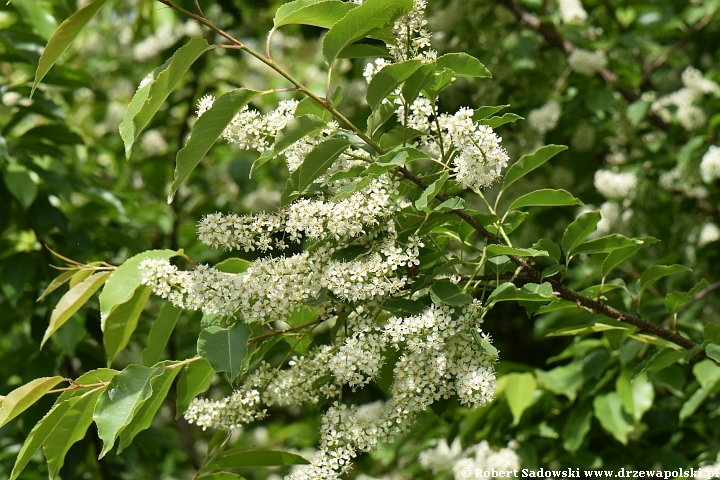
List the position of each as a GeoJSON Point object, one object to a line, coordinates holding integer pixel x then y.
{"type": "Point", "coordinates": [545, 118]}
{"type": "Point", "coordinates": [152, 45]}
{"type": "Point", "coordinates": [479, 157]}
{"type": "Point", "coordinates": [272, 288]}
{"type": "Point", "coordinates": [614, 185]}
{"type": "Point", "coordinates": [587, 63]}
{"type": "Point", "coordinates": [480, 457]}
{"type": "Point", "coordinates": [688, 113]}
{"type": "Point", "coordinates": [572, 12]}
{"type": "Point", "coordinates": [710, 164]}
{"type": "Point", "coordinates": [312, 218]}
{"type": "Point", "coordinates": [250, 130]}
{"type": "Point", "coordinates": [438, 359]}
{"type": "Point", "coordinates": [412, 39]}
{"type": "Point", "coordinates": [708, 234]}
{"type": "Point", "coordinates": [707, 471]}
{"type": "Point", "coordinates": [680, 179]}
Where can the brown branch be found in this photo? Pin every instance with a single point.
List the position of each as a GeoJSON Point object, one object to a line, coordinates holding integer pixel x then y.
{"type": "Point", "coordinates": [553, 38]}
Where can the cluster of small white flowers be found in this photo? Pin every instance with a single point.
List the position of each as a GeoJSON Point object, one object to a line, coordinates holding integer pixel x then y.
{"type": "Point", "coordinates": [150, 46]}
{"type": "Point", "coordinates": [572, 12]}
{"type": "Point", "coordinates": [371, 69]}
{"type": "Point", "coordinates": [442, 457]}
{"type": "Point", "coordinates": [708, 234]}
{"type": "Point", "coordinates": [587, 63]}
{"type": "Point", "coordinates": [688, 113]}
{"type": "Point", "coordinates": [412, 39]}
{"type": "Point", "coordinates": [153, 142]}
{"type": "Point", "coordinates": [615, 185]}
{"type": "Point", "coordinates": [683, 181]}
{"type": "Point", "coordinates": [545, 118]}
{"type": "Point", "coordinates": [309, 218]}
{"type": "Point", "coordinates": [479, 157]}
{"type": "Point", "coordinates": [250, 130]}
{"type": "Point", "coordinates": [485, 458]}
{"type": "Point", "coordinates": [710, 164]}
{"type": "Point", "coordinates": [419, 113]}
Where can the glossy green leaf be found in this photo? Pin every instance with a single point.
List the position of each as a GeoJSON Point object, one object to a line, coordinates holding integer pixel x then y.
{"type": "Point", "coordinates": [160, 333]}
{"type": "Point", "coordinates": [95, 378]}
{"type": "Point", "coordinates": [565, 380]}
{"type": "Point", "coordinates": [224, 348]}
{"type": "Point", "coordinates": [552, 248]}
{"type": "Point", "coordinates": [609, 411]}
{"type": "Point", "coordinates": [636, 394]}
{"type": "Point", "coordinates": [72, 301]}
{"type": "Point", "coordinates": [123, 282]}
{"type": "Point", "coordinates": [323, 13]}
{"type": "Point", "coordinates": [388, 79]}
{"type": "Point", "coordinates": [119, 326]}
{"type": "Point", "coordinates": [63, 37]}
{"type": "Point", "coordinates": [56, 283]}
{"type": "Point", "coordinates": [532, 292]}
{"type": "Point", "coordinates": [674, 301]}
{"type": "Point", "coordinates": [387, 162]}
{"type": "Point", "coordinates": [119, 402]}
{"type": "Point", "coordinates": [577, 427]}
{"type": "Point", "coordinates": [318, 161]}
{"type": "Point", "coordinates": [359, 22]}
{"type": "Point", "coordinates": [495, 122]}
{"type": "Point", "coordinates": [294, 130]}
{"type": "Point", "coordinates": [453, 203]}
{"type": "Point", "coordinates": [713, 351]}
{"type": "Point", "coordinates": [448, 293]}
{"type": "Point", "coordinates": [159, 87]}
{"type": "Point", "coordinates": [463, 65]}
{"type": "Point", "coordinates": [416, 82]}
{"type": "Point", "coordinates": [349, 189]}
{"type": "Point", "coordinates": [206, 131]}
{"type": "Point", "coordinates": [588, 328]}
{"type": "Point", "coordinates": [485, 112]}
{"type": "Point", "coordinates": [518, 391]}
{"type": "Point", "coordinates": [429, 193]}
{"type": "Point", "coordinates": [661, 360]}
{"type": "Point", "coordinates": [195, 379]}
{"type": "Point", "coordinates": [57, 431]}
{"type": "Point", "coordinates": [530, 162]}
{"type": "Point", "coordinates": [233, 265]}
{"type": "Point", "coordinates": [25, 396]}
{"type": "Point", "coordinates": [694, 402]}
{"type": "Point", "coordinates": [143, 417]}
{"type": "Point", "coordinates": [616, 257]}
{"type": "Point", "coordinates": [257, 458]}
{"type": "Point", "coordinates": [495, 250]}
{"type": "Point", "coordinates": [656, 272]}
{"type": "Point", "coordinates": [37, 15]}
{"type": "Point", "coordinates": [578, 231]}
{"type": "Point", "coordinates": [545, 198]}
{"type": "Point", "coordinates": [20, 183]}
{"type": "Point", "coordinates": [712, 332]}
{"type": "Point", "coordinates": [606, 244]}
{"type": "Point", "coordinates": [362, 50]}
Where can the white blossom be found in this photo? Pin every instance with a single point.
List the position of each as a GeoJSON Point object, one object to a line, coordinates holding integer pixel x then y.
{"type": "Point", "coordinates": [545, 118]}
{"type": "Point", "coordinates": [587, 63]}
{"type": "Point", "coordinates": [708, 234]}
{"type": "Point", "coordinates": [615, 185]}
{"type": "Point", "coordinates": [572, 11]}
{"type": "Point", "coordinates": [710, 164]}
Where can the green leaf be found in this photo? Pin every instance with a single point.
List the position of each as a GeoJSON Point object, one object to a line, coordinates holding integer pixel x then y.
{"type": "Point", "coordinates": [545, 198]}
{"type": "Point", "coordinates": [321, 13]}
{"type": "Point", "coordinates": [606, 244]}
{"type": "Point", "coordinates": [692, 404]}
{"type": "Point", "coordinates": [416, 82]}
{"type": "Point", "coordinates": [155, 92]}
{"type": "Point", "coordinates": [221, 476]}
{"type": "Point", "coordinates": [224, 348]}
{"type": "Point", "coordinates": [588, 328]}
{"type": "Point", "coordinates": [121, 323]}
{"type": "Point", "coordinates": [160, 333]}
{"type": "Point", "coordinates": [712, 332]}
{"type": "Point", "coordinates": [578, 231]}
{"type": "Point", "coordinates": [713, 351]}
{"type": "Point", "coordinates": [495, 250]}
{"type": "Point", "coordinates": [123, 282]}
{"type": "Point", "coordinates": [19, 182]}
{"type": "Point", "coordinates": [636, 394]}
{"type": "Point", "coordinates": [495, 122]}
{"type": "Point", "coordinates": [143, 418]}
{"type": "Point", "coordinates": [63, 37]}
{"type": "Point", "coordinates": [58, 430]}
{"type": "Point", "coordinates": [206, 131]}
{"type": "Point", "coordinates": [256, 458]}
{"type": "Point", "coordinates": [463, 65]}
{"type": "Point", "coordinates": [233, 265]}
{"type": "Point", "coordinates": [529, 292]}
{"type": "Point", "coordinates": [36, 14]}
{"type": "Point", "coordinates": [448, 293]}
{"type": "Point", "coordinates": [348, 190]}
{"type": "Point", "coordinates": [609, 411]}
{"type": "Point", "coordinates": [661, 360]}
{"type": "Point", "coordinates": [637, 111]}
{"type": "Point", "coordinates": [25, 396]}
{"type": "Point", "coordinates": [656, 272]}
{"type": "Point", "coordinates": [565, 380]}
{"type": "Point", "coordinates": [452, 203]}
{"type": "Point", "coordinates": [577, 427]}
{"type": "Point", "coordinates": [195, 380]}
{"type": "Point", "coordinates": [708, 375]}
{"type": "Point", "coordinates": [518, 391]}
{"type": "Point", "coordinates": [318, 161]}
{"type": "Point", "coordinates": [530, 162]}
{"type": "Point", "coordinates": [362, 50]}
{"type": "Point", "coordinates": [616, 257]}
{"type": "Point", "coordinates": [93, 377]}
{"type": "Point", "coordinates": [429, 193]}
{"type": "Point", "coordinates": [484, 112]}
{"type": "Point", "coordinates": [72, 301]}
{"type": "Point", "coordinates": [294, 130]}
{"type": "Point", "coordinates": [359, 22]}
{"type": "Point", "coordinates": [387, 162]}
{"type": "Point", "coordinates": [57, 282]}
{"type": "Point", "coordinates": [119, 402]}
{"type": "Point", "coordinates": [388, 79]}
{"type": "Point", "coordinates": [674, 301]}
{"type": "Point", "coordinates": [552, 248]}
{"type": "Point", "coordinates": [308, 106]}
